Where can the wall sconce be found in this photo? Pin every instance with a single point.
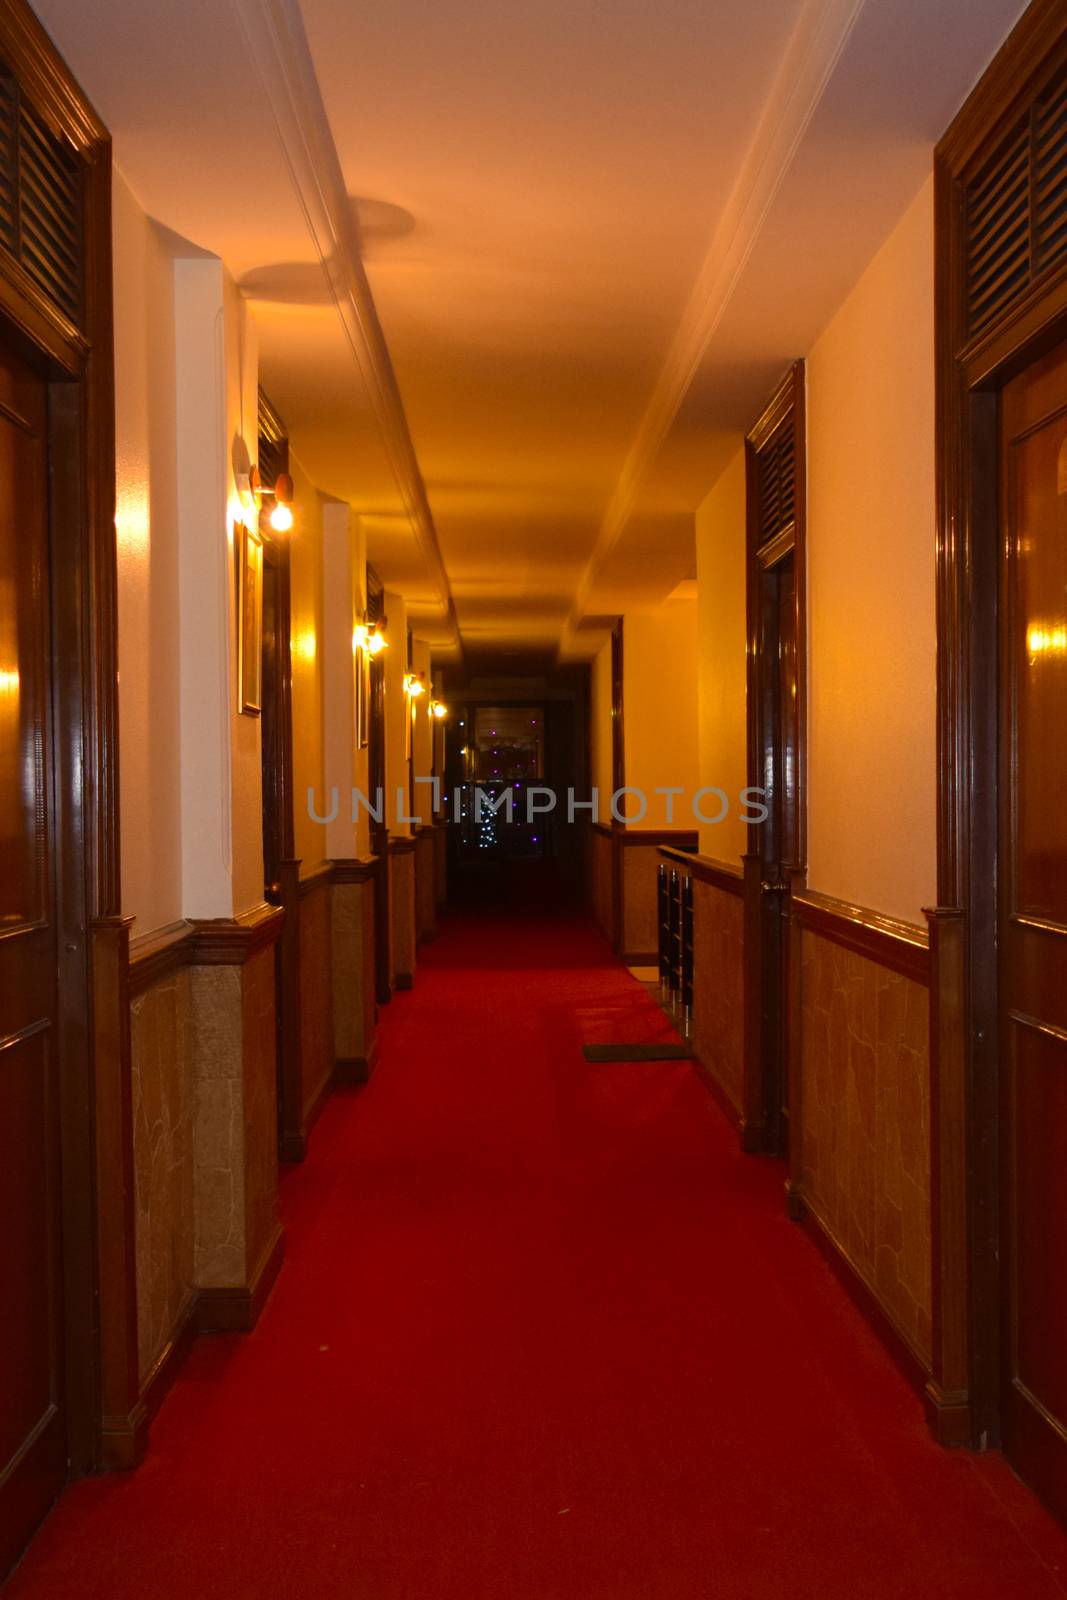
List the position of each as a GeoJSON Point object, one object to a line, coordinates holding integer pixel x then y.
{"type": "Point", "coordinates": [251, 492]}
{"type": "Point", "coordinates": [368, 636]}
{"type": "Point", "coordinates": [413, 684]}
{"type": "Point", "coordinates": [281, 518]}
{"type": "Point", "coordinates": [438, 709]}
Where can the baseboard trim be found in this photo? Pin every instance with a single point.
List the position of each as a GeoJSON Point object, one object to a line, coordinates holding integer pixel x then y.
{"type": "Point", "coordinates": [292, 1148]}
{"type": "Point", "coordinates": [905, 1356]}
{"type": "Point", "coordinates": [404, 980]}
{"type": "Point", "coordinates": [948, 1416]}
{"type": "Point", "coordinates": [351, 1070]}
{"type": "Point", "coordinates": [172, 1357]}
{"type": "Point", "coordinates": [124, 1440]}
{"type": "Point", "coordinates": [640, 958]}
{"type": "Point", "coordinates": [718, 1093]}
{"type": "Point", "coordinates": [316, 1103]}
{"type": "Point", "coordinates": [237, 1309]}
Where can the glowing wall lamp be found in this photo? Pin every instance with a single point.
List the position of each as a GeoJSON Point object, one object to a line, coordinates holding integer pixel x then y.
{"type": "Point", "coordinates": [438, 709]}
{"type": "Point", "coordinates": [413, 684]}
{"type": "Point", "coordinates": [368, 636]}
{"type": "Point", "coordinates": [281, 518]}
{"type": "Point", "coordinates": [251, 493]}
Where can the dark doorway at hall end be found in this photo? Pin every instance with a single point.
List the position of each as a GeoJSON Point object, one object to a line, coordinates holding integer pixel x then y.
{"type": "Point", "coordinates": [515, 752]}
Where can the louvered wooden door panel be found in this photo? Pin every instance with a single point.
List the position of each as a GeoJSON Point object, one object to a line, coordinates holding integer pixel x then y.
{"type": "Point", "coordinates": [33, 1441]}
{"type": "Point", "coordinates": [1016, 211]}
{"type": "Point", "coordinates": [41, 186]}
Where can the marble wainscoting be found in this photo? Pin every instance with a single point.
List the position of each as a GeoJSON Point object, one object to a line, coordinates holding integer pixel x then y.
{"type": "Point", "coordinates": [203, 1084]}
{"type": "Point", "coordinates": [316, 996]}
{"type": "Point", "coordinates": [352, 958]}
{"type": "Point", "coordinates": [238, 1242]}
{"type": "Point", "coordinates": [163, 1089]}
{"type": "Point", "coordinates": [425, 883]}
{"type": "Point", "coordinates": [860, 1071]}
{"type": "Point", "coordinates": [719, 980]}
{"type": "Point", "coordinates": [602, 880]}
{"type": "Point", "coordinates": [440, 863]}
{"type": "Point", "coordinates": [402, 909]}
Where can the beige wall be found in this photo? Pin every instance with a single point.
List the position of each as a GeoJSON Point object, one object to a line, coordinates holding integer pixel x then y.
{"type": "Point", "coordinates": [146, 524]}
{"type": "Point", "coordinates": [307, 649]}
{"type": "Point", "coordinates": [242, 426]}
{"type": "Point", "coordinates": [344, 601]}
{"type": "Point", "coordinates": [721, 628]}
{"type": "Point", "coordinates": [423, 735]}
{"type": "Point", "coordinates": [659, 694]}
{"type": "Point", "coordinates": [871, 623]}
{"type": "Point", "coordinates": [600, 766]}
{"type": "Point", "coordinates": [396, 711]}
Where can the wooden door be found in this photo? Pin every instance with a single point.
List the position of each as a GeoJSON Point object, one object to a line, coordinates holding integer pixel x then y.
{"type": "Point", "coordinates": [1032, 922]}
{"type": "Point", "coordinates": [33, 1434]}
{"type": "Point", "coordinates": [779, 834]}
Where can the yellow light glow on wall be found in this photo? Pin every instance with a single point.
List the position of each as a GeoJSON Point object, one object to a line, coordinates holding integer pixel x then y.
{"type": "Point", "coordinates": [1042, 641]}
{"type": "Point", "coordinates": [9, 681]}
{"type": "Point", "coordinates": [438, 709]}
{"type": "Point", "coordinates": [368, 638]}
{"type": "Point", "coordinates": [305, 644]}
{"type": "Point", "coordinates": [413, 684]}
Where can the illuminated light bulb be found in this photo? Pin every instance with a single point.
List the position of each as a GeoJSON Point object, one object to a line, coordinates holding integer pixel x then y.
{"type": "Point", "coordinates": [281, 518]}
{"type": "Point", "coordinates": [438, 709]}
{"type": "Point", "coordinates": [413, 684]}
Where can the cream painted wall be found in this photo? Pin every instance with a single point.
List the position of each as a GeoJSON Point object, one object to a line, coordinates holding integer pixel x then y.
{"type": "Point", "coordinates": [721, 648]}
{"type": "Point", "coordinates": [216, 382]}
{"type": "Point", "coordinates": [146, 523]}
{"type": "Point", "coordinates": [871, 619]}
{"type": "Point", "coordinates": [600, 729]}
{"type": "Point", "coordinates": [344, 601]}
{"type": "Point", "coordinates": [396, 712]}
{"type": "Point", "coordinates": [659, 696]}
{"type": "Point", "coordinates": [242, 424]}
{"type": "Point", "coordinates": [423, 737]}
{"type": "Point", "coordinates": [307, 644]}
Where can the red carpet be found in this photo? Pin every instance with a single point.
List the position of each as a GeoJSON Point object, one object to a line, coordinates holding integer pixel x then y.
{"type": "Point", "coordinates": [542, 1334]}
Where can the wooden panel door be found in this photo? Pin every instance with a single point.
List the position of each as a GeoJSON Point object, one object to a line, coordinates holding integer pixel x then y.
{"type": "Point", "coordinates": [1032, 922]}
{"type": "Point", "coordinates": [33, 1439]}
{"type": "Point", "coordinates": [779, 834]}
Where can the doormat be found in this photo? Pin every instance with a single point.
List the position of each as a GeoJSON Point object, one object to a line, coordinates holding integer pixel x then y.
{"type": "Point", "coordinates": [637, 1052]}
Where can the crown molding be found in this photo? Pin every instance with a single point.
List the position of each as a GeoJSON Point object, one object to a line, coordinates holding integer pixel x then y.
{"type": "Point", "coordinates": [278, 47]}
{"type": "Point", "coordinates": [818, 40]}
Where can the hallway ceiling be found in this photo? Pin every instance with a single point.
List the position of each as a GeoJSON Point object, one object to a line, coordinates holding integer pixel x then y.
{"type": "Point", "coordinates": [583, 228]}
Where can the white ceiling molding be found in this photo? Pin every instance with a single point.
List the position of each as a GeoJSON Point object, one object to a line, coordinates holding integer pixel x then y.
{"type": "Point", "coordinates": [807, 66]}
{"type": "Point", "coordinates": [278, 46]}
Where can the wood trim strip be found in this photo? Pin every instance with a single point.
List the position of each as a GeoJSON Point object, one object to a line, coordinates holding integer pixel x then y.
{"type": "Point", "coordinates": [160, 958]}
{"type": "Point", "coordinates": [675, 838]}
{"type": "Point", "coordinates": [887, 941]}
{"type": "Point", "coordinates": [401, 845]}
{"type": "Point", "coordinates": [705, 869]}
{"type": "Point", "coordinates": [231, 941]}
{"type": "Point", "coordinates": [354, 869]}
{"type": "Point", "coordinates": [319, 879]}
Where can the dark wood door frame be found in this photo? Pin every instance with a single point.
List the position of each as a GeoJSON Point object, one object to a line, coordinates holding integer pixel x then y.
{"type": "Point", "coordinates": [281, 867]}
{"type": "Point", "coordinates": [981, 342]}
{"type": "Point", "coordinates": [775, 515]}
{"type": "Point", "coordinates": [73, 349]}
{"type": "Point", "coordinates": [379, 831]}
{"type": "Point", "coordinates": [618, 781]}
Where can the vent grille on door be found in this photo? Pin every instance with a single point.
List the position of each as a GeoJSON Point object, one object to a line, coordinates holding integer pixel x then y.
{"type": "Point", "coordinates": [1016, 210]}
{"type": "Point", "coordinates": [273, 443]}
{"type": "Point", "coordinates": [9, 165]}
{"type": "Point", "coordinates": [776, 482]}
{"type": "Point", "coordinates": [40, 201]}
